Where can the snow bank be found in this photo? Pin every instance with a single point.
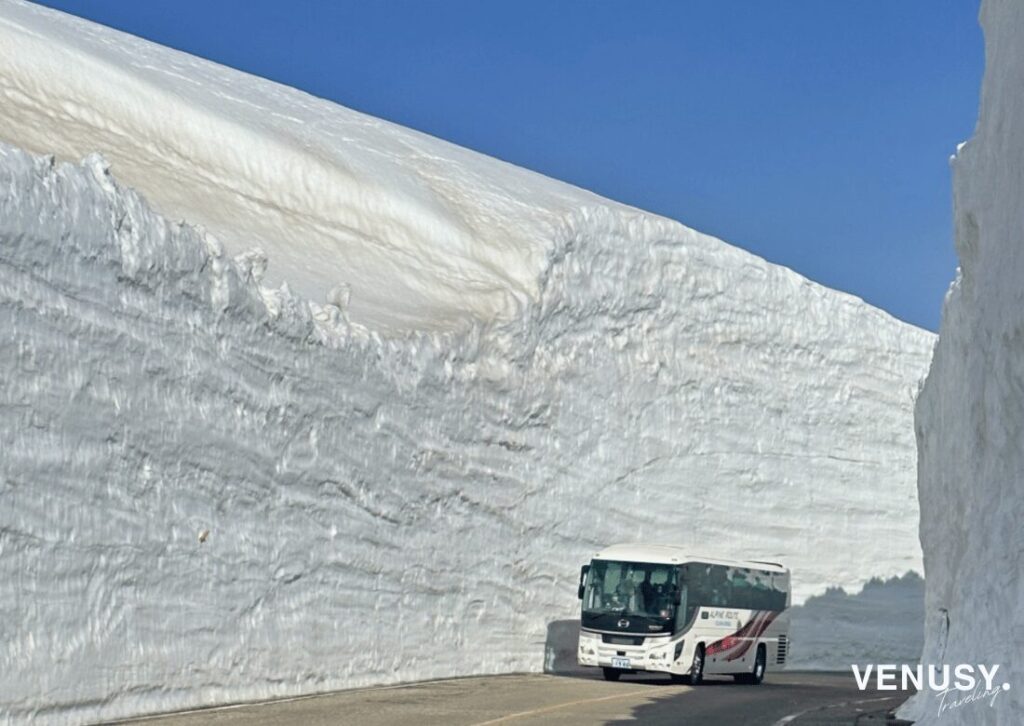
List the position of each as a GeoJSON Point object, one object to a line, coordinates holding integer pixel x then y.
{"type": "Point", "coordinates": [402, 486]}
{"type": "Point", "coordinates": [970, 417]}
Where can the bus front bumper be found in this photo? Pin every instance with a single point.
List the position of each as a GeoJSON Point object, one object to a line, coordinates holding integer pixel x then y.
{"type": "Point", "coordinates": [659, 654]}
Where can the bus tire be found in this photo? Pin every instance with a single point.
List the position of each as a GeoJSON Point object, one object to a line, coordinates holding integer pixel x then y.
{"type": "Point", "coordinates": [757, 674]}
{"type": "Point", "coordinates": [760, 665]}
{"type": "Point", "coordinates": [611, 674]}
{"type": "Point", "coordinates": [697, 667]}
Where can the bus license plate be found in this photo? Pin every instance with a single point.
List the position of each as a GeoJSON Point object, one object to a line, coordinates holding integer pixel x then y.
{"type": "Point", "coordinates": [620, 663]}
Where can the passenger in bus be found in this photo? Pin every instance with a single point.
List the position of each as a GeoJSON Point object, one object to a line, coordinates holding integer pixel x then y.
{"type": "Point", "coordinates": [655, 597]}
{"type": "Point", "coordinates": [627, 591]}
{"type": "Point", "coordinates": [719, 582]}
{"type": "Point", "coordinates": [648, 593]}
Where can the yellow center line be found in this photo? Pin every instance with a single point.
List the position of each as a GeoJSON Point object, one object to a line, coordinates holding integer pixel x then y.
{"type": "Point", "coordinates": [567, 704]}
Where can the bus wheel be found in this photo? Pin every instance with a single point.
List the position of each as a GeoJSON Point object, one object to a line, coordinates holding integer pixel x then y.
{"type": "Point", "coordinates": [759, 664]}
{"type": "Point", "coordinates": [697, 667]}
{"type": "Point", "coordinates": [611, 674]}
{"type": "Point", "coordinates": [756, 675]}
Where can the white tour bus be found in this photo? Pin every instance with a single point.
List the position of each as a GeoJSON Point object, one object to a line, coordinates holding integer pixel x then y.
{"type": "Point", "coordinates": [657, 608]}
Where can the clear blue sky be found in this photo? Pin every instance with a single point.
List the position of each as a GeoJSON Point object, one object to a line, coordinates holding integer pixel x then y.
{"type": "Point", "coordinates": [816, 134]}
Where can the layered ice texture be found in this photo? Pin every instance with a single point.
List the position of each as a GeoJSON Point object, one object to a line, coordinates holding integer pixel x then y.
{"type": "Point", "coordinates": [362, 415]}
{"type": "Point", "coordinates": [970, 416]}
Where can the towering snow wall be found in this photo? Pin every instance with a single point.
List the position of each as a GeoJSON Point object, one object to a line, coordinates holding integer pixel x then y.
{"type": "Point", "coordinates": [475, 377]}
{"type": "Point", "coordinates": [970, 416]}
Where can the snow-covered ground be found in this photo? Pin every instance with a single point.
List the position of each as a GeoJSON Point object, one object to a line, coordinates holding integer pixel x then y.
{"type": "Point", "coordinates": [475, 377]}
{"type": "Point", "coordinates": [970, 417]}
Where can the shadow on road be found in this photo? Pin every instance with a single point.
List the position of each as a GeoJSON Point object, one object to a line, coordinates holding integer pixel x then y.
{"type": "Point", "coordinates": [560, 648]}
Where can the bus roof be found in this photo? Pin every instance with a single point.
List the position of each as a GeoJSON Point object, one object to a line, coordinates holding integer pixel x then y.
{"type": "Point", "coordinates": [671, 554]}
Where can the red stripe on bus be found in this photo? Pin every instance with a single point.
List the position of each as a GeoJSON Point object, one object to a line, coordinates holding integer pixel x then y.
{"type": "Point", "coordinates": [739, 638]}
{"type": "Point", "coordinates": [751, 639]}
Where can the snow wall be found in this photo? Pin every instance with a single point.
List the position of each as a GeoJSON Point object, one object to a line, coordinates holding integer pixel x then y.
{"type": "Point", "coordinates": [970, 416]}
{"type": "Point", "coordinates": [391, 483]}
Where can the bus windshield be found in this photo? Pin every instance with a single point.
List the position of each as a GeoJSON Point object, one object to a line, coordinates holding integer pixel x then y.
{"type": "Point", "coordinates": [630, 588]}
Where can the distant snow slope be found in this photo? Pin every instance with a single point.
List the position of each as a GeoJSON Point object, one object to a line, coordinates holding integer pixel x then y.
{"type": "Point", "coordinates": [881, 623]}
{"type": "Point", "coordinates": [970, 417]}
{"type": "Point", "coordinates": [406, 487]}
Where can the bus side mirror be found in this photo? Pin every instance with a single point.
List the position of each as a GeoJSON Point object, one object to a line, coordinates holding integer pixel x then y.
{"type": "Point", "coordinates": [583, 580]}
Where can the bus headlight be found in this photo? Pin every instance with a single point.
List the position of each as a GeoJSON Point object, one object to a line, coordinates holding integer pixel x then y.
{"type": "Point", "coordinates": [588, 643]}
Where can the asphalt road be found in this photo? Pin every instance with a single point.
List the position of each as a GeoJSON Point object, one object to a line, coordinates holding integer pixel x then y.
{"type": "Point", "coordinates": [784, 699]}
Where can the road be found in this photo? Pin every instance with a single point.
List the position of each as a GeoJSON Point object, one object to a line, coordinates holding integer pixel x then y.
{"type": "Point", "coordinates": [784, 699]}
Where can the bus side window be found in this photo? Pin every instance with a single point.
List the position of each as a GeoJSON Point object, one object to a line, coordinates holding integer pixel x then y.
{"type": "Point", "coordinates": [742, 589]}
{"type": "Point", "coordinates": [778, 591]}
{"type": "Point", "coordinates": [720, 589]}
{"type": "Point", "coordinates": [761, 591]}
{"type": "Point", "coordinates": [692, 581]}
{"type": "Point", "coordinates": [684, 613]}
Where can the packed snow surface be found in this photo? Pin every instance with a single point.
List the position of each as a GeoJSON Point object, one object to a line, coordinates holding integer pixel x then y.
{"type": "Point", "coordinates": [214, 487]}
{"type": "Point", "coordinates": [418, 232]}
{"type": "Point", "coordinates": [970, 417]}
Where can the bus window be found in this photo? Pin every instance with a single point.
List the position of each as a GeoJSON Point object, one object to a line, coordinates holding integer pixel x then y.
{"type": "Point", "coordinates": [697, 594]}
{"type": "Point", "coordinates": [637, 588]}
{"type": "Point", "coordinates": [686, 607]}
{"type": "Point", "coordinates": [741, 588]}
{"type": "Point", "coordinates": [761, 591]}
{"type": "Point", "coordinates": [720, 589]}
{"type": "Point", "coordinates": [707, 585]}
{"type": "Point", "coordinates": [779, 590]}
